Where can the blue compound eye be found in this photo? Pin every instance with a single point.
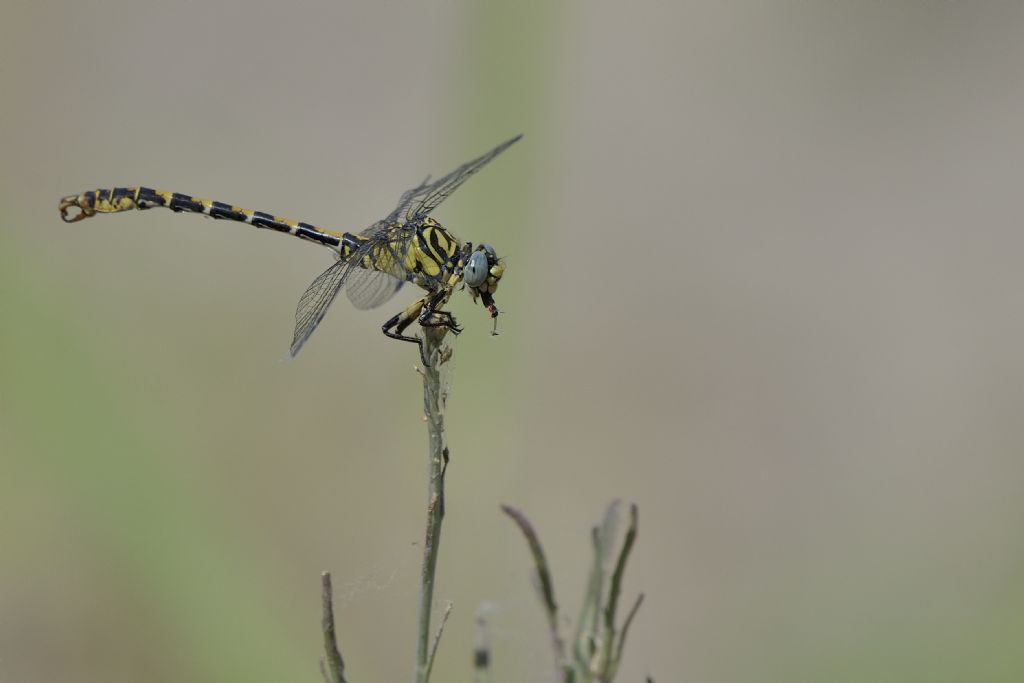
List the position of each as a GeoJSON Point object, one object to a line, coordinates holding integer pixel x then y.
{"type": "Point", "coordinates": [475, 273]}
{"type": "Point", "coordinates": [492, 255]}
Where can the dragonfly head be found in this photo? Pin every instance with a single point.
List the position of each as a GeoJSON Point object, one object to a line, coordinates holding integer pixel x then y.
{"type": "Point", "coordinates": [481, 271]}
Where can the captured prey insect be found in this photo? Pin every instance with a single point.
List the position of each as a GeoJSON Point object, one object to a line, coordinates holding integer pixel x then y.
{"type": "Point", "coordinates": [405, 246]}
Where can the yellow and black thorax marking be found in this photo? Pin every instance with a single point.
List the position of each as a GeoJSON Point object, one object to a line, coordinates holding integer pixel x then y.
{"type": "Point", "coordinates": [424, 253]}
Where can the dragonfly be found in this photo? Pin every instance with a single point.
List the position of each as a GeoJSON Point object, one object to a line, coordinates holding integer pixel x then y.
{"type": "Point", "coordinates": [407, 245]}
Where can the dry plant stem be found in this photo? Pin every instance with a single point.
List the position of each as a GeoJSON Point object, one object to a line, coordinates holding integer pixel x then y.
{"type": "Point", "coordinates": [331, 666]}
{"type": "Point", "coordinates": [437, 453]}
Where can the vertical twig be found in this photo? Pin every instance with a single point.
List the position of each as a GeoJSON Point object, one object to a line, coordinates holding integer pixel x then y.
{"type": "Point", "coordinates": [437, 453]}
{"type": "Point", "coordinates": [332, 666]}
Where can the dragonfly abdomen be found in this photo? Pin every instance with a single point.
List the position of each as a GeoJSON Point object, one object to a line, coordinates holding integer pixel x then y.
{"type": "Point", "coordinates": [121, 199]}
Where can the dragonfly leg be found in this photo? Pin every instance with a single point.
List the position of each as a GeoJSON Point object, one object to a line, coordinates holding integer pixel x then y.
{"type": "Point", "coordinates": [401, 321]}
{"type": "Point", "coordinates": [395, 327]}
{"type": "Point", "coordinates": [424, 311]}
{"type": "Point", "coordinates": [442, 319]}
{"type": "Point", "coordinates": [431, 317]}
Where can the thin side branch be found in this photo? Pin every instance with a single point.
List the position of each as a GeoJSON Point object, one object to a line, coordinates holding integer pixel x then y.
{"type": "Point", "coordinates": [602, 539]}
{"type": "Point", "coordinates": [608, 662]}
{"type": "Point", "coordinates": [547, 589]}
{"type": "Point", "coordinates": [332, 667]}
{"type": "Point", "coordinates": [437, 638]}
{"type": "Point", "coordinates": [620, 568]}
{"type": "Point", "coordinates": [624, 632]}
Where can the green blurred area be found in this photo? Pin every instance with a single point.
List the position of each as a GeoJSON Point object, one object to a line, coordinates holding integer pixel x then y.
{"type": "Point", "coordinates": [762, 280]}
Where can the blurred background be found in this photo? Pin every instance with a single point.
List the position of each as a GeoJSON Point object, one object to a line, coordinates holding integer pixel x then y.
{"type": "Point", "coordinates": [763, 280]}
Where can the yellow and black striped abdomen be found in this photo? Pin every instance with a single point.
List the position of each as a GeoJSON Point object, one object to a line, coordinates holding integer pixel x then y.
{"type": "Point", "coordinates": [121, 199]}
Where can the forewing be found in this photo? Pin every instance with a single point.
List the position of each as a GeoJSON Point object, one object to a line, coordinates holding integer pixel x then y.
{"type": "Point", "coordinates": [421, 200]}
{"type": "Point", "coordinates": [316, 300]}
{"type": "Point", "coordinates": [408, 197]}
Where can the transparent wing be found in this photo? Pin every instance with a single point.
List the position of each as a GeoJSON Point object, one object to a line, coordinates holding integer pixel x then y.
{"type": "Point", "coordinates": [398, 215]}
{"type": "Point", "coordinates": [316, 300]}
{"type": "Point", "coordinates": [386, 248]}
{"type": "Point", "coordinates": [370, 288]}
{"type": "Point", "coordinates": [421, 200]}
{"type": "Point", "coordinates": [377, 230]}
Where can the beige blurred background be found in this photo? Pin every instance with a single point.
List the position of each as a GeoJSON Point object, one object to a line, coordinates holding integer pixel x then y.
{"type": "Point", "coordinates": [763, 280]}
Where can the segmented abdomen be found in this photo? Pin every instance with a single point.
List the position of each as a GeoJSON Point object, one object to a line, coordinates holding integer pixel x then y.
{"type": "Point", "coordinates": [121, 199]}
{"type": "Point", "coordinates": [421, 259]}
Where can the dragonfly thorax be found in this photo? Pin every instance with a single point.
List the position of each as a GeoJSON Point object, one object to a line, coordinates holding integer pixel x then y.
{"type": "Point", "coordinates": [431, 254]}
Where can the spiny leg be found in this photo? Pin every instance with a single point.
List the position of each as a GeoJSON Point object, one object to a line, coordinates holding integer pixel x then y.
{"type": "Point", "coordinates": [402, 321]}
{"type": "Point", "coordinates": [431, 317]}
{"type": "Point", "coordinates": [442, 319]}
{"type": "Point", "coordinates": [424, 311]}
